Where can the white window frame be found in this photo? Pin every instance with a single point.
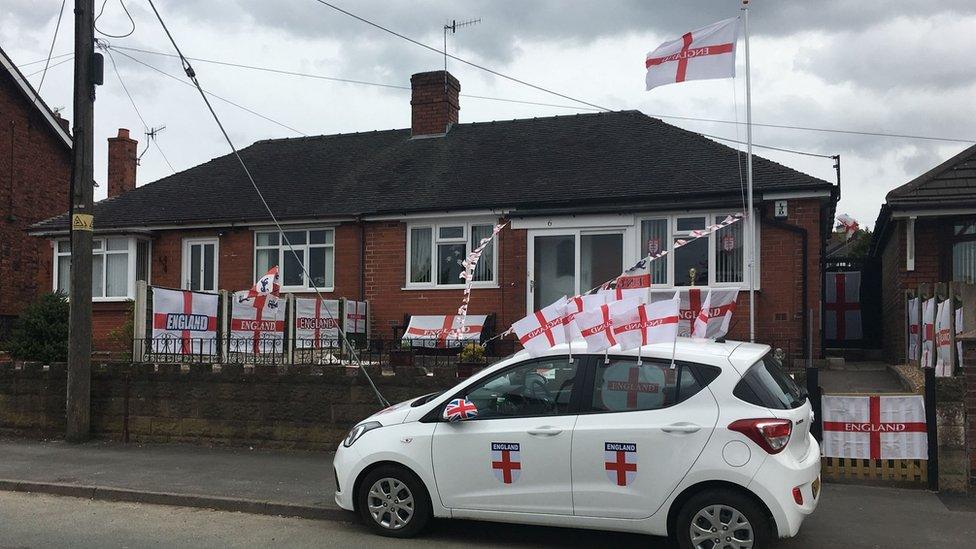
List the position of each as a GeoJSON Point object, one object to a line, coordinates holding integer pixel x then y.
{"type": "Point", "coordinates": [187, 243]}
{"type": "Point", "coordinates": [132, 242]}
{"type": "Point", "coordinates": [710, 218]}
{"type": "Point", "coordinates": [435, 240]}
{"type": "Point", "coordinates": [284, 248]}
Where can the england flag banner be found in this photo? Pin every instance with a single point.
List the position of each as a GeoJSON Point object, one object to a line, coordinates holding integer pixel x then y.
{"type": "Point", "coordinates": [708, 52]}
{"type": "Point", "coordinates": [543, 329]}
{"type": "Point", "coordinates": [596, 326]}
{"type": "Point", "coordinates": [943, 339]}
{"type": "Point", "coordinates": [874, 427]}
{"type": "Point", "coordinates": [842, 306]}
{"type": "Point", "coordinates": [256, 330]}
{"type": "Point", "coordinates": [928, 332]}
{"type": "Point", "coordinates": [316, 323]}
{"type": "Point", "coordinates": [635, 282]}
{"type": "Point", "coordinates": [646, 324]}
{"type": "Point", "coordinates": [691, 306]}
{"type": "Point", "coordinates": [914, 328]}
{"type": "Point", "coordinates": [355, 317]}
{"type": "Point", "coordinates": [443, 331]}
{"type": "Point", "coordinates": [184, 322]}
{"type": "Point", "coordinates": [715, 315]}
{"type": "Point", "coordinates": [575, 306]}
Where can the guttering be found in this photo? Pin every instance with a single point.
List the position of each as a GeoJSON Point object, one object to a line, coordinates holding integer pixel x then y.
{"type": "Point", "coordinates": [494, 212]}
{"type": "Point", "coordinates": [189, 226]}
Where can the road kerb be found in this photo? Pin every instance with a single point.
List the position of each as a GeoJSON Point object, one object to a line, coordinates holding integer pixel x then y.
{"type": "Point", "coordinates": [104, 493]}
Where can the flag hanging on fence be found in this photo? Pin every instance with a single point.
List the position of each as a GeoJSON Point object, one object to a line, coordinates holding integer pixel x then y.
{"type": "Point", "coordinates": [184, 322]}
{"type": "Point", "coordinates": [355, 317]}
{"type": "Point", "coordinates": [708, 52]}
{"type": "Point", "coordinates": [577, 305]}
{"type": "Point", "coordinates": [256, 330]}
{"type": "Point", "coordinates": [716, 314]}
{"type": "Point", "coordinates": [542, 329]}
{"type": "Point", "coordinates": [874, 427]}
{"type": "Point", "coordinates": [914, 327]}
{"type": "Point", "coordinates": [316, 323]}
{"type": "Point", "coordinates": [928, 332]}
{"type": "Point", "coordinates": [691, 306]}
{"type": "Point", "coordinates": [943, 340]}
{"type": "Point", "coordinates": [646, 324]}
{"type": "Point", "coordinates": [443, 331]}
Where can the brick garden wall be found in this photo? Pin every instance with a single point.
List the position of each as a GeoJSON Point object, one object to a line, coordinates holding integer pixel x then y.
{"type": "Point", "coordinates": [262, 409]}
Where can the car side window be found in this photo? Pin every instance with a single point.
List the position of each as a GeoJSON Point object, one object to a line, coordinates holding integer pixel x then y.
{"type": "Point", "coordinates": [535, 388]}
{"type": "Point", "coordinates": [623, 385]}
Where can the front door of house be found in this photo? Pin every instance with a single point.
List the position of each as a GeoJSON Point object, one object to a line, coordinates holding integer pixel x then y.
{"type": "Point", "coordinates": [568, 262]}
{"type": "Point", "coordinates": [200, 264]}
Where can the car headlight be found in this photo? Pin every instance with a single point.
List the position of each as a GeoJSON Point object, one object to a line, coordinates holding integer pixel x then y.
{"type": "Point", "coordinates": [360, 430]}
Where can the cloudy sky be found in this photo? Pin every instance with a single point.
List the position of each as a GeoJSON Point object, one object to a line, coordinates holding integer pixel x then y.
{"type": "Point", "coordinates": [893, 66]}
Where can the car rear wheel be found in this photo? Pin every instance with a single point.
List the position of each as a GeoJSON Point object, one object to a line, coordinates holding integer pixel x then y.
{"type": "Point", "coordinates": [393, 502]}
{"type": "Point", "coordinates": [721, 519]}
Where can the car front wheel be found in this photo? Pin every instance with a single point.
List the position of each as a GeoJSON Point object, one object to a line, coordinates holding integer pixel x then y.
{"type": "Point", "coordinates": [721, 519]}
{"type": "Point", "coordinates": [393, 502]}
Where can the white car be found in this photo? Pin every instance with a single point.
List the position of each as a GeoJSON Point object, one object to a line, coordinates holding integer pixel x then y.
{"type": "Point", "coordinates": [713, 449]}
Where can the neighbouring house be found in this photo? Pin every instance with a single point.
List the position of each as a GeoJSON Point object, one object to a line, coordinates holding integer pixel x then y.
{"type": "Point", "coordinates": [925, 233]}
{"type": "Point", "coordinates": [385, 215]}
{"type": "Point", "coordinates": [35, 170]}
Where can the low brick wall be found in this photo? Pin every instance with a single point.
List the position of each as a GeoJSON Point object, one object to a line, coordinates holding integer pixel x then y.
{"type": "Point", "coordinates": [303, 407]}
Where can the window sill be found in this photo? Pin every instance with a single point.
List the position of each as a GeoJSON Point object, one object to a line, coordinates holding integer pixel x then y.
{"type": "Point", "coordinates": [458, 287]}
{"type": "Point", "coordinates": [112, 299]}
{"type": "Point", "coordinates": [305, 290]}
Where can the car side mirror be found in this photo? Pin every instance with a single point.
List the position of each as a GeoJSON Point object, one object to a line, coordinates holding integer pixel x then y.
{"type": "Point", "coordinates": [460, 409]}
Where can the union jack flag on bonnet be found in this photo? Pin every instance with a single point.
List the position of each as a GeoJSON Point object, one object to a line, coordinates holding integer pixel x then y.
{"type": "Point", "coordinates": [460, 409]}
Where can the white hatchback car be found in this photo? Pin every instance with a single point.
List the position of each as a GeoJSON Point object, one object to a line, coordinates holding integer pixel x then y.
{"type": "Point", "coordinates": [714, 451]}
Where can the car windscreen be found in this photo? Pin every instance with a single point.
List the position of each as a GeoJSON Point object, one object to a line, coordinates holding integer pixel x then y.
{"type": "Point", "coordinates": [766, 384]}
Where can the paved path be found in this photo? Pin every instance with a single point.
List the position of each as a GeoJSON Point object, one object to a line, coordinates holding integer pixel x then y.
{"type": "Point", "coordinates": [861, 377]}
{"type": "Point", "coordinates": [849, 517]}
{"type": "Point", "coordinates": [293, 483]}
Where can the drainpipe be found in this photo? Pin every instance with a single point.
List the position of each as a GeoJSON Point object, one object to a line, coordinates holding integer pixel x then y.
{"type": "Point", "coordinates": [362, 259]}
{"type": "Point", "coordinates": [805, 279]}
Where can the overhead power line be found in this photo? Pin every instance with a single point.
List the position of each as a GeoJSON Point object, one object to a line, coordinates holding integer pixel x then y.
{"type": "Point", "coordinates": [765, 146]}
{"type": "Point", "coordinates": [42, 60]}
{"type": "Point", "coordinates": [61, 62]}
{"type": "Point", "coordinates": [54, 39]}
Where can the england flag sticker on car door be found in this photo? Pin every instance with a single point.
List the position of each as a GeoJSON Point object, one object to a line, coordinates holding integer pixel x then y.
{"type": "Point", "coordinates": [620, 462]}
{"type": "Point", "coordinates": [506, 461]}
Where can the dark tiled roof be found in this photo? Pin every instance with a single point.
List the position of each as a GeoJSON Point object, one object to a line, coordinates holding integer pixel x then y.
{"type": "Point", "coordinates": [615, 158]}
{"type": "Point", "coordinates": [950, 184]}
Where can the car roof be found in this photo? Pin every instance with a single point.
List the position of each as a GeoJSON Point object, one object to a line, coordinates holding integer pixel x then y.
{"type": "Point", "coordinates": [688, 349]}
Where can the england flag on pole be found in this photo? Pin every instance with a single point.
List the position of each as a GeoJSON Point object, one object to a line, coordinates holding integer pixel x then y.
{"type": "Point", "coordinates": [596, 326]}
{"type": "Point", "coordinates": [715, 314]}
{"type": "Point", "coordinates": [543, 329]}
{"type": "Point", "coordinates": [708, 52]}
{"type": "Point", "coordinates": [576, 306]}
{"type": "Point", "coordinates": [646, 324]}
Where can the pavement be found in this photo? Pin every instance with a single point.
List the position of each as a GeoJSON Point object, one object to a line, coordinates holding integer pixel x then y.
{"type": "Point", "coordinates": [860, 377]}
{"type": "Point", "coordinates": [174, 495]}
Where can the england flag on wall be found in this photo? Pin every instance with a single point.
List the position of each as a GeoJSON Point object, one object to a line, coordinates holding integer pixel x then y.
{"type": "Point", "coordinates": [874, 427]}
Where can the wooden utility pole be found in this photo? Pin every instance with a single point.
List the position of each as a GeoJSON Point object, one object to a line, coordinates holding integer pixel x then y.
{"type": "Point", "coordinates": [82, 173]}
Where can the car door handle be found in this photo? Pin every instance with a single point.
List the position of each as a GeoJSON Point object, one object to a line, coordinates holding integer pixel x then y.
{"type": "Point", "coordinates": [545, 431]}
{"type": "Point", "coordinates": [681, 428]}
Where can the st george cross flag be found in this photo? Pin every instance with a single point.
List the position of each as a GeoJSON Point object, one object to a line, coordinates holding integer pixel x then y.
{"type": "Point", "coordinates": [543, 329]}
{"type": "Point", "coordinates": [256, 330]}
{"type": "Point", "coordinates": [943, 341]}
{"type": "Point", "coordinates": [316, 323]}
{"type": "Point", "coordinates": [874, 427]}
{"type": "Point", "coordinates": [266, 286]}
{"type": "Point", "coordinates": [928, 332]}
{"type": "Point", "coordinates": [716, 314]}
{"type": "Point", "coordinates": [596, 326]}
{"type": "Point", "coordinates": [848, 224]}
{"type": "Point", "coordinates": [355, 317]}
{"type": "Point", "coordinates": [634, 282]}
{"type": "Point", "coordinates": [646, 324]}
{"type": "Point", "coordinates": [577, 305]}
{"type": "Point", "coordinates": [914, 327]}
{"type": "Point", "coordinates": [443, 331]}
{"type": "Point", "coordinates": [691, 305]}
{"type": "Point", "coordinates": [184, 322]}
{"type": "Point", "coordinates": [708, 52]}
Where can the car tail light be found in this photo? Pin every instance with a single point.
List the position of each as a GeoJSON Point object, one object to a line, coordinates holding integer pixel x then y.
{"type": "Point", "coordinates": [797, 496]}
{"type": "Point", "coordinates": [770, 434]}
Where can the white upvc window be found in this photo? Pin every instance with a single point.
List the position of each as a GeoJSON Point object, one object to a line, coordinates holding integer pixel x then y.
{"type": "Point", "coordinates": [315, 248]}
{"type": "Point", "coordinates": [716, 260]}
{"type": "Point", "coordinates": [117, 263]}
{"type": "Point", "coordinates": [435, 250]}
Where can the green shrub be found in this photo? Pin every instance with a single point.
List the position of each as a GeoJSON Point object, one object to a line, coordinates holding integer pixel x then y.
{"type": "Point", "coordinates": [472, 352]}
{"type": "Point", "coordinates": [41, 332]}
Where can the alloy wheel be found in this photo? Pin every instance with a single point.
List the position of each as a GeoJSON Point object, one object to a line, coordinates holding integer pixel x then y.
{"type": "Point", "coordinates": [390, 503]}
{"type": "Point", "coordinates": [721, 527]}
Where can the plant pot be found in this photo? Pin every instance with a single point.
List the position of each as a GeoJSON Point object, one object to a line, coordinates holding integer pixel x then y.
{"type": "Point", "coordinates": [401, 358]}
{"type": "Point", "coordinates": [468, 369]}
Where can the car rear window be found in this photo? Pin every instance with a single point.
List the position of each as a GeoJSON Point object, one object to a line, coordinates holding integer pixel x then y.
{"type": "Point", "coordinates": [766, 384]}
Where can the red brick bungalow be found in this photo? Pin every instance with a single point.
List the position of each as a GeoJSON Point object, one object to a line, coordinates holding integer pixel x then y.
{"type": "Point", "coordinates": [35, 167]}
{"type": "Point", "coordinates": [384, 215]}
{"type": "Point", "coordinates": [925, 234]}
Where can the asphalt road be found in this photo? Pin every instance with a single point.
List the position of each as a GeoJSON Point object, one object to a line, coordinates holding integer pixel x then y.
{"type": "Point", "coordinates": [849, 516]}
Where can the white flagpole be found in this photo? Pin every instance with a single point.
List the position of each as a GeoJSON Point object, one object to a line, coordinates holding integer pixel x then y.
{"type": "Point", "coordinates": [751, 226]}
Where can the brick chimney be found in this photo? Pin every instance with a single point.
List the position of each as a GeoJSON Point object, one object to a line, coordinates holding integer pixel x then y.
{"type": "Point", "coordinates": [434, 103]}
{"type": "Point", "coordinates": [63, 122]}
{"type": "Point", "coordinates": [122, 160]}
